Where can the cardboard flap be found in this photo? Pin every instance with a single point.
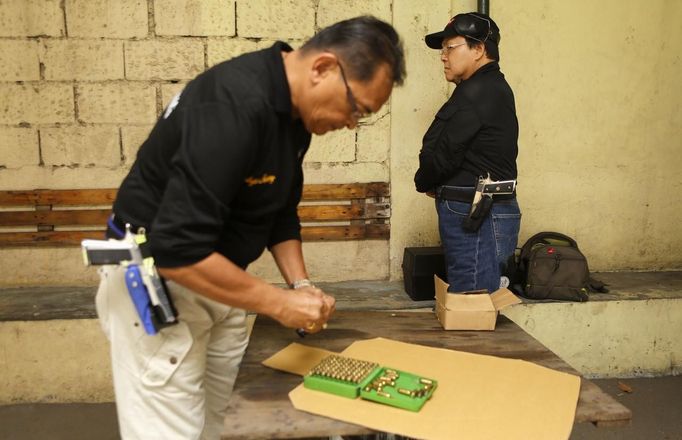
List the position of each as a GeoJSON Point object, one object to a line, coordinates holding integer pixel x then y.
{"type": "Point", "coordinates": [441, 289]}
{"type": "Point", "coordinates": [504, 297]}
{"type": "Point", "coordinates": [296, 358]}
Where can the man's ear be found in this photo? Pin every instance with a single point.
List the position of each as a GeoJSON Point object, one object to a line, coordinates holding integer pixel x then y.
{"type": "Point", "coordinates": [323, 64]}
{"type": "Point", "coordinates": [479, 51]}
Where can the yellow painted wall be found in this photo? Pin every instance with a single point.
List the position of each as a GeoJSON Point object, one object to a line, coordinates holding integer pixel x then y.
{"type": "Point", "coordinates": [598, 94]}
{"type": "Point", "coordinates": [597, 88]}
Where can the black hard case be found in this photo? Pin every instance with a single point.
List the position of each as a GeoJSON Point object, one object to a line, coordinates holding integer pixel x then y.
{"type": "Point", "coordinates": [420, 264]}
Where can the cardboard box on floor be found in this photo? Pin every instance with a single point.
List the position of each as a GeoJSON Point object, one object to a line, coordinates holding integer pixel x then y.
{"type": "Point", "coordinates": [470, 310]}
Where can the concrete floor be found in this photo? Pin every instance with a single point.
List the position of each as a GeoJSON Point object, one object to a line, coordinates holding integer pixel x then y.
{"type": "Point", "coordinates": [656, 404]}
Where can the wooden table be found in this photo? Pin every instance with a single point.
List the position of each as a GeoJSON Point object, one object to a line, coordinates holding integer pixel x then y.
{"type": "Point", "coordinates": [260, 407]}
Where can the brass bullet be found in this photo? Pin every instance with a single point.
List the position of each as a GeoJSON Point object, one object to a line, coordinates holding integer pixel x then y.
{"type": "Point", "coordinates": [404, 391]}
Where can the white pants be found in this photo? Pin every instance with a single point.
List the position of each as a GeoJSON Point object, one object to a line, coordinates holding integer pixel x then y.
{"type": "Point", "coordinates": [175, 384]}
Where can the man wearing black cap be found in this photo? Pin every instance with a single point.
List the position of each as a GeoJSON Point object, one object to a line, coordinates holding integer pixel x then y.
{"type": "Point", "coordinates": [474, 135]}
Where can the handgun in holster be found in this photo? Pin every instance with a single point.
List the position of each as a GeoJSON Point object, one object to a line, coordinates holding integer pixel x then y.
{"type": "Point", "coordinates": [486, 189]}
{"type": "Point", "coordinates": [147, 289]}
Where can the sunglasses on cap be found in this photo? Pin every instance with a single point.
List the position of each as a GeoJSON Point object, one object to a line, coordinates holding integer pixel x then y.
{"type": "Point", "coordinates": [472, 26]}
{"type": "Point", "coordinates": [469, 25]}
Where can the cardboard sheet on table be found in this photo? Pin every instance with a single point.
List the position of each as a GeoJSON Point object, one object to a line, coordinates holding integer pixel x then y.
{"type": "Point", "coordinates": [478, 397]}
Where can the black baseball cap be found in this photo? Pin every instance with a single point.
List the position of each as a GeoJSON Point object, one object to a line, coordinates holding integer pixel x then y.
{"type": "Point", "coordinates": [473, 25]}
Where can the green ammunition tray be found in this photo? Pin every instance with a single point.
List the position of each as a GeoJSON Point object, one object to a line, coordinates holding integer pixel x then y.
{"type": "Point", "coordinates": [340, 375]}
{"type": "Point", "coordinates": [406, 390]}
{"type": "Point", "coordinates": [351, 378]}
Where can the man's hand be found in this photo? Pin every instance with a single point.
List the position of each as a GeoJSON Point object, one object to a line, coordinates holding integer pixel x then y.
{"type": "Point", "coordinates": [216, 277]}
{"type": "Point", "coordinates": [308, 308]}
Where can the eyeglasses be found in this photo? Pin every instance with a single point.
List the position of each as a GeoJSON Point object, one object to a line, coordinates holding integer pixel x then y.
{"type": "Point", "coordinates": [467, 27]}
{"type": "Point", "coordinates": [446, 50]}
{"type": "Point", "coordinates": [356, 113]}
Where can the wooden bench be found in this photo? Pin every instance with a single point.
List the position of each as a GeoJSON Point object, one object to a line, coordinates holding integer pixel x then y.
{"type": "Point", "coordinates": [64, 217]}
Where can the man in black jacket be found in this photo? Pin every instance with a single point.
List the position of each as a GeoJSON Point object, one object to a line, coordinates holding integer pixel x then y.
{"type": "Point", "coordinates": [217, 182]}
{"type": "Point", "coordinates": [474, 135]}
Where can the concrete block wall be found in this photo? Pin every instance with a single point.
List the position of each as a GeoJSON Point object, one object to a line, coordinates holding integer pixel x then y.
{"type": "Point", "coordinates": [83, 81]}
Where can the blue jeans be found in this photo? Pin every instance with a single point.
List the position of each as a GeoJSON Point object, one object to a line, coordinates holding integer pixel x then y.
{"type": "Point", "coordinates": [476, 260]}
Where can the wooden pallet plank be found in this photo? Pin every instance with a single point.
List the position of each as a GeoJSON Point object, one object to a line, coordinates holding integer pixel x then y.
{"type": "Point", "coordinates": [330, 212]}
{"type": "Point", "coordinates": [350, 232]}
{"type": "Point", "coordinates": [103, 196]}
{"type": "Point", "coordinates": [333, 191]}
{"type": "Point", "coordinates": [62, 197]}
{"type": "Point", "coordinates": [47, 238]}
{"type": "Point", "coordinates": [97, 217]}
{"type": "Point", "coordinates": [91, 217]}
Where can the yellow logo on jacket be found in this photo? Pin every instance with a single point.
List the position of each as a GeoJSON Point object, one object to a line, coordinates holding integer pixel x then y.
{"type": "Point", "coordinates": [265, 178]}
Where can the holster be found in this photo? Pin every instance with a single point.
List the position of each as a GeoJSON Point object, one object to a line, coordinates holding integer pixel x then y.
{"type": "Point", "coordinates": [154, 317]}
{"type": "Point", "coordinates": [147, 289]}
{"type": "Point", "coordinates": [479, 212]}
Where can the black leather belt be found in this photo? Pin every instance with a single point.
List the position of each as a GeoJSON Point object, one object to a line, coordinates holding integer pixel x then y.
{"type": "Point", "coordinates": [465, 194]}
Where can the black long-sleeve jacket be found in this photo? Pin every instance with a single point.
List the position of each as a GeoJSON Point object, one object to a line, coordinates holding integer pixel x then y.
{"type": "Point", "coordinates": [474, 133]}
{"type": "Point", "coordinates": [221, 170]}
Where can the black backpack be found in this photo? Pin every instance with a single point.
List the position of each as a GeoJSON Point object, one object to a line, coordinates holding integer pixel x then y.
{"type": "Point", "coordinates": [550, 266]}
